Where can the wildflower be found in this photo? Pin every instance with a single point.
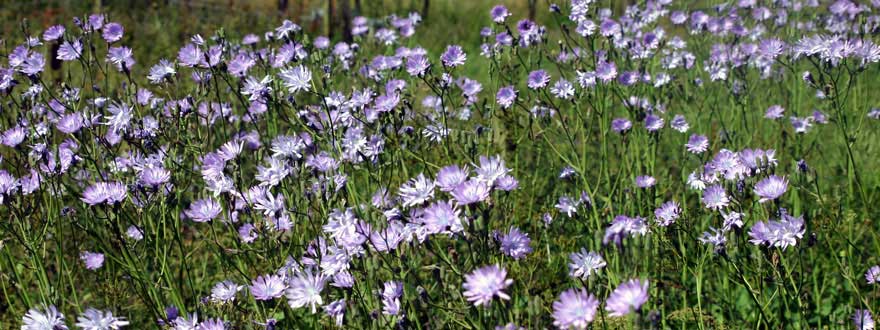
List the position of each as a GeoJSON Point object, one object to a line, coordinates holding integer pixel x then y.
{"type": "Point", "coordinates": [515, 244]}
{"type": "Point", "coordinates": [225, 291]}
{"type": "Point", "coordinates": [417, 190]}
{"type": "Point", "coordinates": [653, 123]}
{"type": "Point", "coordinates": [697, 144]}
{"type": "Point", "coordinates": [562, 89]}
{"type": "Point", "coordinates": [667, 213]}
{"type": "Point", "coordinates": [161, 71]}
{"type": "Point", "coordinates": [774, 112]}
{"type": "Point", "coordinates": [538, 79]}
{"type": "Point", "coordinates": [506, 96]}
{"type": "Point", "coordinates": [112, 32]}
{"type": "Point", "coordinates": [575, 309]}
{"type": "Point", "coordinates": [471, 191]}
{"type": "Point", "coordinates": [53, 33]}
{"type": "Point", "coordinates": [453, 56]}
{"type": "Point", "coordinates": [584, 263]}
{"type": "Point", "coordinates": [212, 324]}
{"type": "Point", "coordinates": [715, 237]}
{"type": "Point", "coordinates": [771, 188]}
{"type": "Point", "coordinates": [567, 205]}
{"type": "Point", "coordinates": [47, 319]}
{"type": "Point", "coordinates": [621, 125]}
{"type": "Point", "coordinates": [92, 260]}
{"type": "Point", "coordinates": [391, 293]}
{"type": "Point", "coordinates": [715, 197]}
{"type": "Point", "coordinates": [499, 14]}
{"type": "Point", "coordinates": [121, 57]}
{"type": "Point", "coordinates": [872, 276]}
{"type": "Point", "coordinates": [442, 217]}
{"type": "Point", "coordinates": [203, 210]}
{"type": "Point", "coordinates": [417, 65]}
{"type": "Point", "coordinates": [628, 296]}
{"type": "Point", "coordinates": [782, 233]}
{"type": "Point", "coordinates": [336, 310]}
{"type": "Point", "coordinates": [490, 169]}
{"type": "Point", "coordinates": [450, 177]}
{"type": "Point", "coordinates": [267, 287]}
{"type": "Point", "coordinates": [645, 181]}
{"type": "Point", "coordinates": [863, 320]}
{"type": "Point", "coordinates": [94, 319]}
{"type": "Point", "coordinates": [296, 79]}
{"type": "Point", "coordinates": [305, 289]}
{"type": "Point", "coordinates": [70, 51]}
{"type": "Point", "coordinates": [134, 233]}
{"type": "Point", "coordinates": [485, 283]}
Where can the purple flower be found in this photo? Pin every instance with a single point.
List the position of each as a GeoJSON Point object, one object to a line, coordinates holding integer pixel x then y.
{"type": "Point", "coordinates": [506, 183]}
{"type": "Point", "coordinates": [305, 289]}
{"type": "Point", "coordinates": [94, 319]}
{"type": "Point", "coordinates": [336, 310]}
{"type": "Point", "coordinates": [562, 89]}
{"type": "Point", "coordinates": [606, 71]}
{"type": "Point", "coordinates": [296, 79]}
{"type": "Point", "coordinates": [872, 276]}
{"type": "Point", "coordinates": [715, 197]}
{"type": "Point", "coordinates": [567, 205]}
{"type": "Point", "coordinates": [506, 96]}
{"type": "Point", "coordinates": [782, 233]}
{"type": "Point", "coordinates": [679, 123]}
{"type": "Point", "coordinates": [104, 192]}
{"type": "Point", "coordinates": [667, 213]}
{"type": "Point", "coordinates": [453, 56]}
{"type": "Point", "coordinates": [190, 55]}
{"type": "Point", "coordinates": [628, 296]}
{"type": "Point", "coordinates": [645, 181]}
{"type": "Point", "coordinates": [697, 144]}
{"type": "Point", "coordinates": [584, 263]}
{"type": "Point", "coordinates": [491, 169]}
{"type": "Point", "coordinates": [225, 291]}
{"type": "Point", "coordinates": [121, 57]}
{"type": "Point", "coordinates": [515, 244]}
{"type": "Point", "coordinates": [575, 309]}
{"type": "Point", "coordinates": [471, 191]}
{"type": "Point", "coordinates": [416, 65]}
{"type": "Point", "coordinates": [801, 125]}
{"type": "Point", "coordinates": [204, 210]}
{"type": "Point", "coordinates": [771, 188]}
{"type": "Point", "coordinates": [485, 283]}
{"type": "Point", "coordinates": [92, 260]}
{"type": "Point", "coordinates": [441, 217]}
{"type": "Point", "coordinates": [862, 320]}
{"type": "Point", "coordinates": [112, 32]}
{"type": "Point", "coordinates": [154, 176]}
{"type": "Point", "coordinates": [13, 136]}
{"type": "Point", "coordinates": [96, 21]}
{"type": "Point", "coordinates": [69, 51]}
{"type": "Point", "coordinates": [538, 79]}
{"type": "Point", "coordinates": [34, 64]}
{"type": "Point", "coordinates": [653, 123]}
{"type": "Point", "coordinates": [47, 319]}
{"type": "Point", "coordinates": [212, 324]}
{"type": "Point", "coordinates": [499, 14]}
{"type": "Point", "coordinates": [621, 125]}
{"type": "Point", "coordinates": [53, 33]}
{"type": "Point", "coordinates": [267, 287]}
{"type": "Point", "coordinates": [416, 191]}
{"type": "Point", "coordinates": [161, 71]}
{"type": "Point", "coordinates": [774, 112]}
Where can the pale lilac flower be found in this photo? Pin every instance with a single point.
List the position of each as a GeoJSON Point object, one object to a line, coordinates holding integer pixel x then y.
{"type": "Point", "coordinates": [575, 309]}
{"type": "Point", "coordinates": [53, 33]}
{"type": "Point", "coordinates": [667, 213]}
{"type": "Point", "coordinates": [94, 319]}
{"type": "Point", "coordinates": [506, 96]}
{"type": "Point", "coordinates": [70, 51]}
{"type": "Point", "coordinates": [134, 233]}
{"type": "Point", "coordinates": [715, 197]}
{"type": "Point", "coordinates": [47, 319]}
{"type": "Point", "coordinates": [204, 210]}
{"type": "Point", "coordinates": [491, 169]}
{"type": "Point", "coordinates": [190, 56]}
{"type": "Point", "coordinates": [621, 125]}
{"type": "Point", "coordinates": [267, 287]}
{"type": "Point", "coordinates": [417, 190]}
{"type": "Point", "coordinates": [567, 205]}
{"type": "Point", "coordinates": [225, 291]}
{"type": "Point", "coordinates": [774, 112]}
{"type": "Point", "coordinates": [515, 244]}
{"type": "Point", "coordinates": [782, 233]}
{"type": "Point", "coordinates": [296, 79]}
{"type": "Point", "coordinates": [305, 289]}
{"type": "Point", "coordinates": [453, 56]}
{"type": "Point", "coordinates": [863, 320]}
{"type": "Point", "coordinates": [872, 276]}
{"type": "Point", "coordinates": [121, 57]}
{"type": "Point", "coordinates": [697, 144]}
{"type": "Point", "coordinates": [627, 297]}
{"type": "Point", "coordinates": [771, 188]}
{"type": "Point", "coordinates": [336, 310]}
{"type": "Point", "coordinates": [92, 260]}
{"type": "Point", "coordinates": [112, 32]}
{"type": "Point", "coordinates": [442, 217]}
{"type": "Point", "coordinates": [645, 181]}
{"type": "Point", "coordinates": [212, 324]}
{"type": "Point", "coordinates": [499, 14]}
{"type": "Point", "coordinates": [679, 123]}
{"type": "Point", "coordinates": [450, 177]}
{"type": "Point", "coordinates": [161, 71]}
{"type": "Point", "coordinates": [485, 283]}
{"type": "Point", "coordinates": [471, 191]}
{"type": "Point", "coordinates": [584, 263]}
{"type": "Point", "coordinates": [562, 89]}
{"type": "Point", "coordinates": [538, 79]}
